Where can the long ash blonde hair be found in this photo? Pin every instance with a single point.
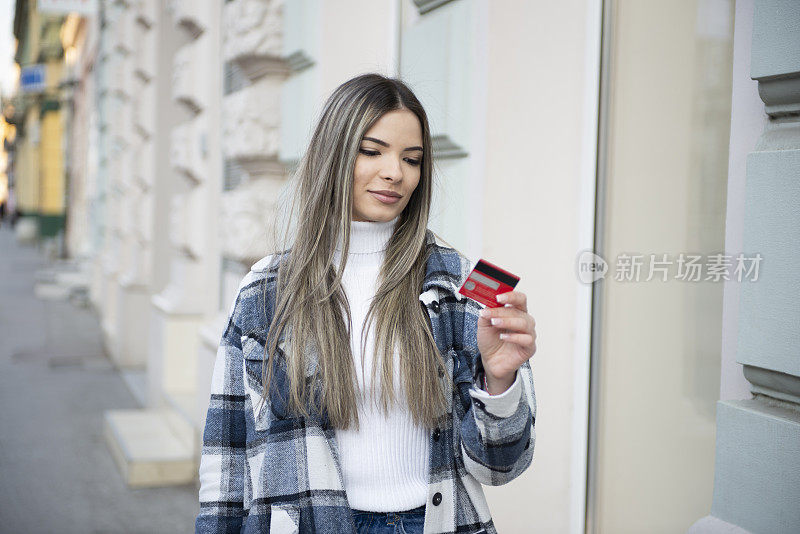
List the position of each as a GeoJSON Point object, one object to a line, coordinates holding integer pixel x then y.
{"type": "Point", "coordinates": [310, 302]}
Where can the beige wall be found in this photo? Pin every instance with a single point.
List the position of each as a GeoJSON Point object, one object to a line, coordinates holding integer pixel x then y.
{"type": "Point", "coordinates": [537, 77]}
{"type": "Point", "coordinates": [350, 45]}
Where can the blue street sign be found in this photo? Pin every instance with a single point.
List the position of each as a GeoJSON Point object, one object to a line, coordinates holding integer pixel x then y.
{"type": "Point", "coordinates": [32, 79]}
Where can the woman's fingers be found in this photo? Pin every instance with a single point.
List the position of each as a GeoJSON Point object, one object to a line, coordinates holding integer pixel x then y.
{"type": "Point", "coordinates": [517, 299]}
{"type": "Point", "coordinates": [519, 324]}
{"type": "Point", "coordinates": [503, 313]}
{"type": "Point", "coordinates": [524, 340]}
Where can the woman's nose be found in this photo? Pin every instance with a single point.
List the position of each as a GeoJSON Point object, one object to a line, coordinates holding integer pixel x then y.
{"type": "Point", "coordinates": [393, 170]}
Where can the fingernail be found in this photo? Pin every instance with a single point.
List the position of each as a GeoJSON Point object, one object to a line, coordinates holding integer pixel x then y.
{"type": "Point", "coordinates": [501, 297]}
{"type": "Point", "coordinates": [496, 321]}
{"type": "Point", "coordinates": [485, 312]}
{"type": "Point", "coordinates": [503, 336]}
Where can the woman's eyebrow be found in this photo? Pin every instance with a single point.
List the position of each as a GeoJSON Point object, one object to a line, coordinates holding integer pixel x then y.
{"type": "Point", "coordinates": [384, 143]}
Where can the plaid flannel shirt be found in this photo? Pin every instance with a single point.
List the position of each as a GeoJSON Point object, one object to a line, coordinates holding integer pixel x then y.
{"type": "Point", "coordinates": [271, 471]}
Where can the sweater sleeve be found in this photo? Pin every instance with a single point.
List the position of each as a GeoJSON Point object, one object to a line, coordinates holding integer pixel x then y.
{"type": "Point", "coordinates": [497, 431]}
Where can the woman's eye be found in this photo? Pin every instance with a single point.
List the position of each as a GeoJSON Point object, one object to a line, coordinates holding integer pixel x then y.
{"type": "Point", "coordinates": [368, 152]}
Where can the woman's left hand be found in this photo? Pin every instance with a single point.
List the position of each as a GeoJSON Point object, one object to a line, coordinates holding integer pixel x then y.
{"type": "Point", "coordinates": [502, 356]}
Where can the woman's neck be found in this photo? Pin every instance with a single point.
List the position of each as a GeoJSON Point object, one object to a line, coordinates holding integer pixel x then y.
{"type": "Point", "coordinates": [368, 237]}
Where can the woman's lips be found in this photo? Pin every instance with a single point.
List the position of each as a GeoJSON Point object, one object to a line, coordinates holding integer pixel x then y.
{"type": "Point", "coordinates": [386, 199]}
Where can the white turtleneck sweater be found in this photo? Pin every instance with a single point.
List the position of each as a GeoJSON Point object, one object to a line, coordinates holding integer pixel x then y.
{"type": "Point", "coordinates": [385, 462]}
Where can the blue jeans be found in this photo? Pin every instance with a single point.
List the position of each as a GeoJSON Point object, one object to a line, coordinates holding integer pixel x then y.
{"type": "Point", "coordinates": [407, 522]}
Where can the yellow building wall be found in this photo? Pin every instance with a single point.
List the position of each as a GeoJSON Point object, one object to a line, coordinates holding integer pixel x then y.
{"type": "Point", "coordinates": [3, 187]}
{"type": "Point", "coordinates": [51, 196]}
{"type": "Point", "coordinates": [27, 182]}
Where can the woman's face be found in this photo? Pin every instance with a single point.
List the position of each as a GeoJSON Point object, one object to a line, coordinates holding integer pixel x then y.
{"type": "Point", "coordinates": [388, 164]}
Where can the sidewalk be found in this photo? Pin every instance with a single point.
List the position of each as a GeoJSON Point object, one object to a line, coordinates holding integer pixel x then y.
{"type": "Point", "coordinates": [56, 473]}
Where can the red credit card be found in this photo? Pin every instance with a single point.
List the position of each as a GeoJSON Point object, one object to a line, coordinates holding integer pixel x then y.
{"type": "Point", "coordinates": [486, 281]}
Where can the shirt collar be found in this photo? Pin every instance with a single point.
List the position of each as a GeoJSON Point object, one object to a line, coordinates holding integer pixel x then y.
{"type": "Point", "coordinates": [443, 268]}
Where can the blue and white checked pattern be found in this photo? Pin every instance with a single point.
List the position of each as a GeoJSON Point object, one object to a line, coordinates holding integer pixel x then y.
{"type": "Point", "coordinates": [275, 472]}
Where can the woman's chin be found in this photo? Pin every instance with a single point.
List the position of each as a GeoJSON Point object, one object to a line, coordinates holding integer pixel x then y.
{"type": "Point", "coordinates": [377, 216]}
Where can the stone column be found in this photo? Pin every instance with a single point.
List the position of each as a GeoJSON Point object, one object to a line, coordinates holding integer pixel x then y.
{"type": "Point", "coordinates": [191, 292]}
{"type": "Point", "coordinates": [136, 40]}
{"type": "Point", "coordinates": [254, 73]}
{"type": "Point", "coordinates": [97, 190]}
{"type": "Point", "coordinates": [116, 91]}
{"type": "Point", "coordinates": [757, 471]}
{"type": "Point", "coordinates": [173, 174]}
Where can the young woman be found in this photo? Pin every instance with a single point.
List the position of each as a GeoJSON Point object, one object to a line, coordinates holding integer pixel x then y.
{"type": "Point", "coordinates": [355, 390]}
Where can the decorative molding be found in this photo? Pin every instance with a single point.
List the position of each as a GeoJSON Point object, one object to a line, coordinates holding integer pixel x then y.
{"type": "Point", "coordinates": [245, 215]}
{"type": "Point", "coordinates": [122, 35]}
{"type": "Point", "coordinates": [138, 207]}
{"type": "Point", "coordinates": [250, 125]}
{"type": "Point", "coordinates": [261, 167]}
{"type": "Point", "coordinates": [141, 131]}
{"type": "Point", "coordinates": [237, 172]}
{"type": "Point", "coordinates": [188, 149]}
{"type": "Point", "coordinates": [122, 135]}
{"type": "Point", "coordinates": [181, 297]}
{"type": "Point", "coordinates": [232, 175]}
{"type": "Point", "coordinates": [146, 58]}
{"type": "Point", "coordinates": [177, 218]}
{"type": "Point", "coordinates": [188, 76]}
{"type": "Point", "coordinates": [781, 95]}
{"type": "Point", "coordinates": [185, 233]}
{"type": "Point", "coordinates": [251, 29]}
{"type": "Point", "coordinates": [253, 38]}
{"type": "Point", "coordinates": [127, 219]}
{"type": "Point", "coordinates": [774, 384]}
{"type": "Point", "coordinates": [191, 15]}
{"type": "Point", "coordinates": [234, 79]}
{"type": "Point", "coordinates": [256, 67]}
{"type": "Point", "coordinates": [775, 56]}
{"type": "Point", "coordinates": [425, 6]}
{"type": "Point", "coordinates": [445, 148]}
{"type": "Point", "coordinates": [144, 165]}
{"type": "Point", "coordinates": [298, 61]}
{"type": "Point", "coordinates": [144, 114]}
{"type": "Point", "coordinates": [139, 271]}
{"type": "Point", "coordinates": [120, 78]}
{"type": "Point", "coordinates": [147, 12]}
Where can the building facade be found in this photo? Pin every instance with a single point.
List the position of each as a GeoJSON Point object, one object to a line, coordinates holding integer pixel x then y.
{"type": "Point", "coordinates": [38, 118]}
{"type": "Point", "coordinates": [558, 128]}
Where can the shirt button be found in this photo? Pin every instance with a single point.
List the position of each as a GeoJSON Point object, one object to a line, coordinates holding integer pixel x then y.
{"type": "Point", "coordinates": [437, 498]}
{"type": "Point", "coordinates": [435, 306]}
{"type": "Point", "coordinates": [480, 404]}
{"type": "Point", "coordinates": [436, 434]}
